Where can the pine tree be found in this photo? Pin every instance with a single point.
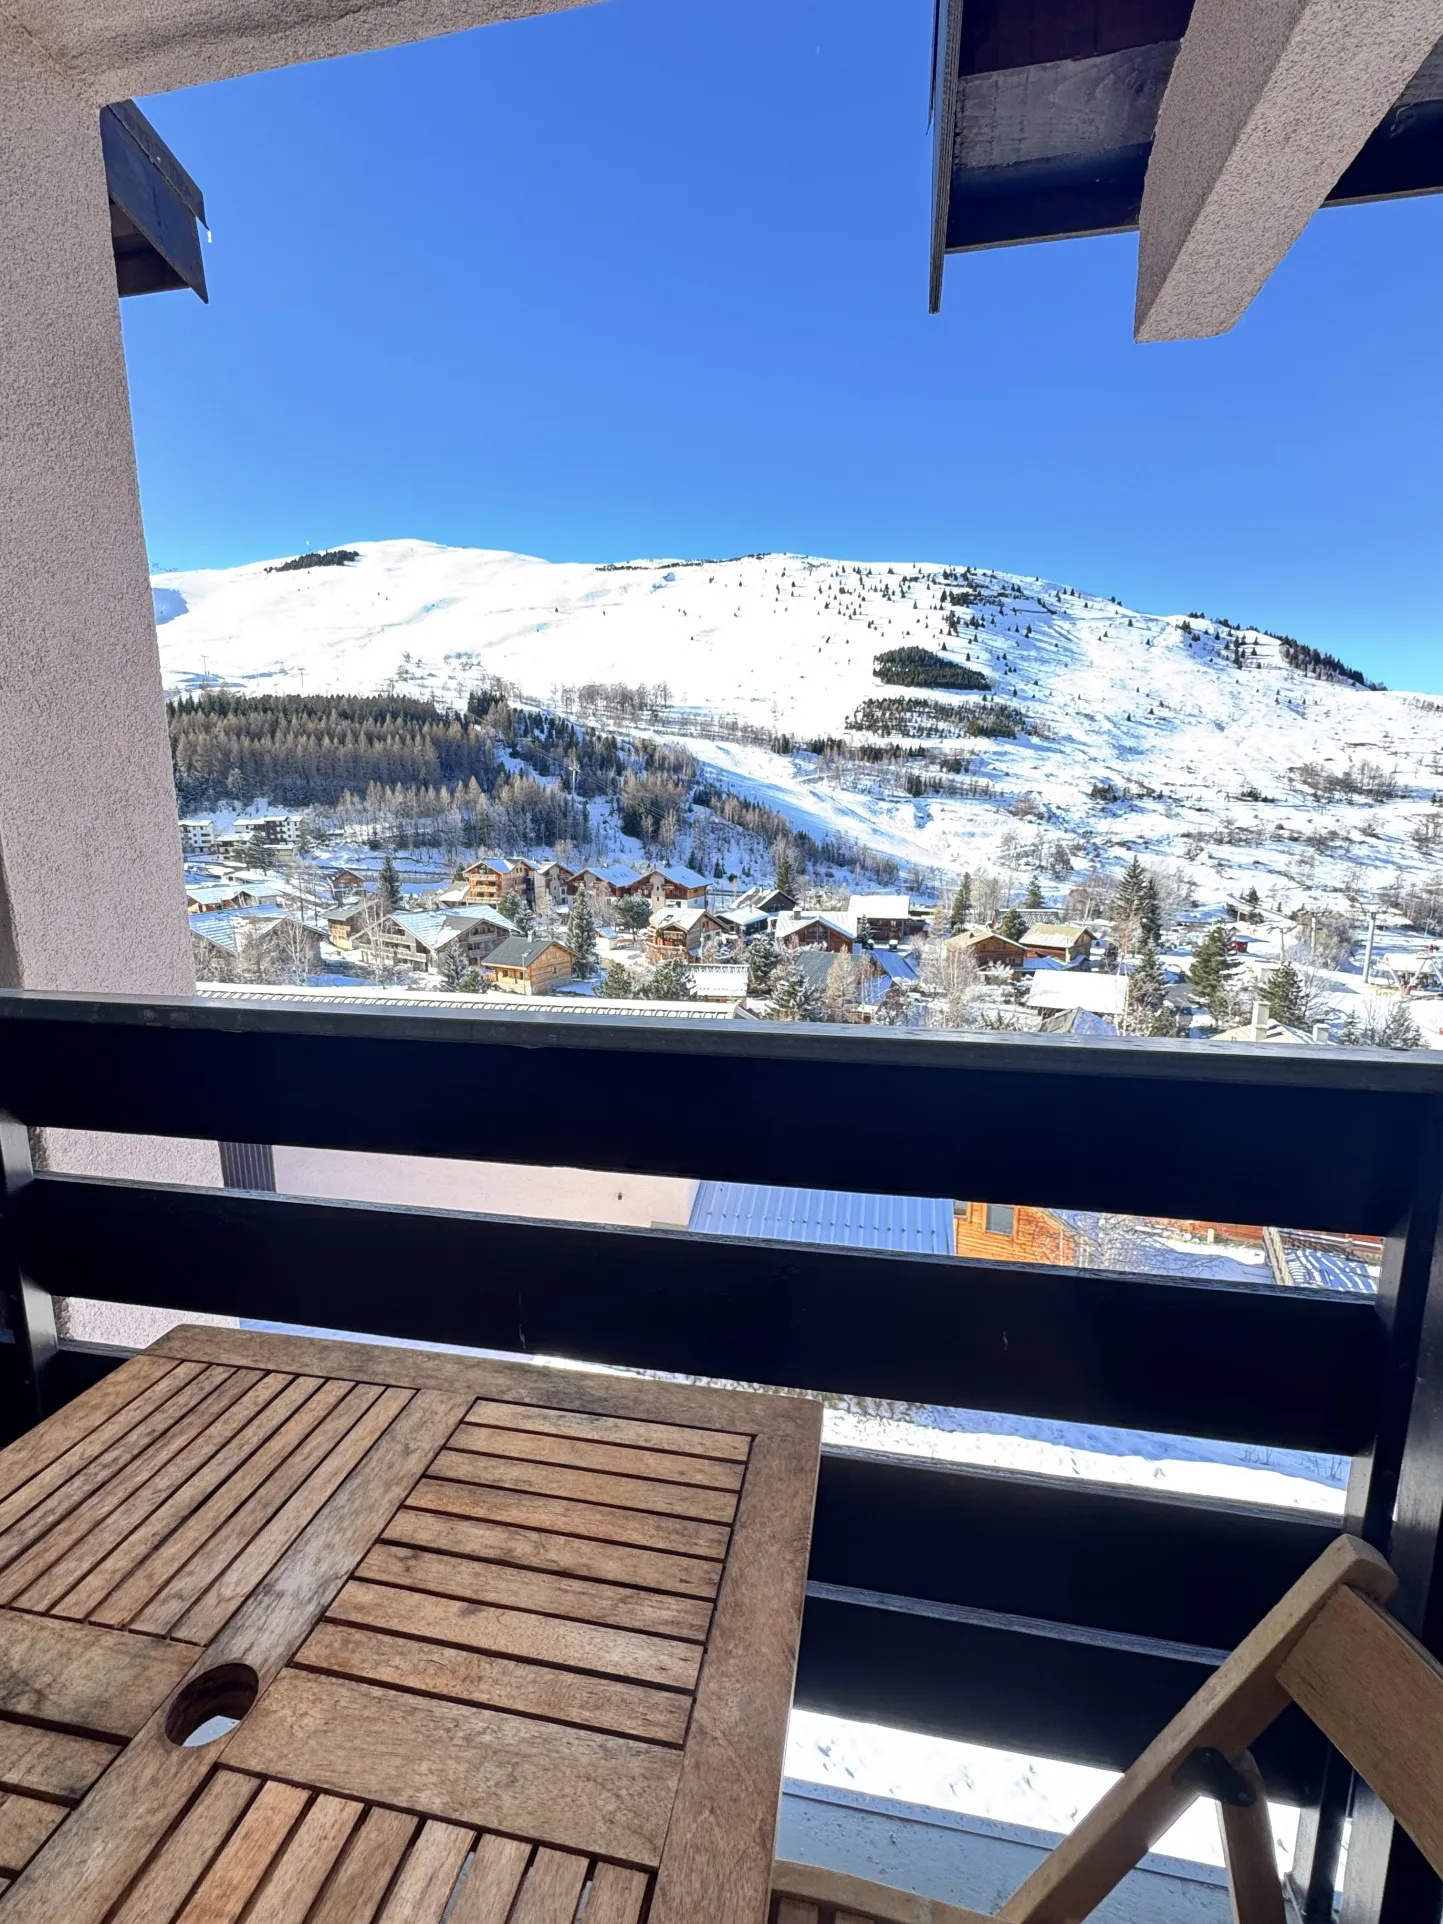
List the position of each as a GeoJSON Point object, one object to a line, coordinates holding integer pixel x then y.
{"type": "Point", "coordinates": [961, 906]}
{"type": "Point", "coordinates": [1033, 898]}
{"type": "Point", "coordinates": [1148, 914]}
{"type": "Point", "coordinates": [671, 981]}
{"type": "Point", "coordinates": [1400, 1031]}
{"type": "Point", "coordinates": [516, 912]}
{"type": "Point", "coordinates": [1135, 908]}
{"type": "Point", "coordinates": [632, 913]}
{"type": "Point", "coordinates": [1013, 925]}
{"type": "Point", "coordinates": [786, 873]}
{"type": "Point", "coordinates": [581, 935]}
{"type": "Point", "coordinates": [1284, 996]}
{"type": "Point", "coordinates": [1252, 907]}
{"type": "Point", "coordinates": [617, 983]}
{"type": "Point", "coordinates": [1145, 990]}
{"type": "Point", "coordinates": [762, 960]}
{"type": "Point", "coordinates": [794, 999]}
{"type": "Point", "coordinates": [388, 888]}
{"type": "Point", "coordinates": [1208, 974]}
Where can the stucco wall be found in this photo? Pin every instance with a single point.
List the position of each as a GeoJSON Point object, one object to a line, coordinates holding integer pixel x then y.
{"type": "Point", "coordinates": [491, 1188]}
{"type": "Point", "coordinates": [90, 878]}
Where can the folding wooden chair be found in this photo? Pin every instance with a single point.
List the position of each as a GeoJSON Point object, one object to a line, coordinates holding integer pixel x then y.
{"type": "Point", "coordinates": [1328, 1646]}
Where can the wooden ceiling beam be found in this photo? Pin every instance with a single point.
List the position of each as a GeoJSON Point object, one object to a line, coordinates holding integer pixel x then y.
{"type": "Point", "coordinates": [1268, 105]}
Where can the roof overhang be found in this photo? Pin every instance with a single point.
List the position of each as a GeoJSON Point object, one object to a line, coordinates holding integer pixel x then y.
{"type": "Point", "coordinates": [156, 209]}
{"type": "Point", "coordinates": [1045, 114]}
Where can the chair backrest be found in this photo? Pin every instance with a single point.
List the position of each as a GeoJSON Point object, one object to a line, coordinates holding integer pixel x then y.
{"type": "Point", "coordinates": [803, 1895]}
{"type": "Point", "coordinates": [1330, 1647]}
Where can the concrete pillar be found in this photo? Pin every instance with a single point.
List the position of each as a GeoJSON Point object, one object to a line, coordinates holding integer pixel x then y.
{"type": "Point", "coordinates": [90, 869]}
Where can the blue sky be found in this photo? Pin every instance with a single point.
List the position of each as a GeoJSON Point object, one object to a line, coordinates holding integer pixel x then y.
{"type": "Point", "coordinates": [648, 278]}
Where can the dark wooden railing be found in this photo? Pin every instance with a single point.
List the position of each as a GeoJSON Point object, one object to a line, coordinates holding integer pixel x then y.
{"type": "Point", "coordinates": [1044, 1615]}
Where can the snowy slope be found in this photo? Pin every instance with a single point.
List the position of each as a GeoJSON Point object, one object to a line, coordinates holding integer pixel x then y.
{"type": "Point", "coordinates": [1200, 749]}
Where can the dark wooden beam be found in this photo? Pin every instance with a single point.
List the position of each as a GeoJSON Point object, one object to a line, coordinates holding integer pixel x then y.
{"type": "Point", "coordinates": [1118, 1560]}
{"type": "Point", "coordinates": [998, 34]}
{"type": "Point", "coordinates": [1040, 1689]}
{"type": "Point", "coordinates": [1289, 1368]}
{"type": "Point", "coordinates": [1053, 111]}
{"type": "Point", "coordinates": [1307, 1139]}
{"type": "Point", "coordinates": [156, 209]}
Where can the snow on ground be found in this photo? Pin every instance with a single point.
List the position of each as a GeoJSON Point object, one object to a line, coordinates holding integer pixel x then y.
{"type": "Point", "coordinates": [1199, 750]}
{"type": "Point", "coordinates": [1004, 1785]}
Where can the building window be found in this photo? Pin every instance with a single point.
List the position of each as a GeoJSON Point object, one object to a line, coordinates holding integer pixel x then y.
{"type": "Point", "coordinates": [1001, 1219]}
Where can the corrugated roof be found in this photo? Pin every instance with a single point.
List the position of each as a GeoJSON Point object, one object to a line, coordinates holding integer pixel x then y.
{"type": "Point", "coordinates": [434, 928]}
{"type": "Point", "coordinates": [913, 1225]}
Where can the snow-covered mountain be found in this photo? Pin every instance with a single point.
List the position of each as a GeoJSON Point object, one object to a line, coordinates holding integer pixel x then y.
{"type": "Point", "coordinates": [1180, 737]}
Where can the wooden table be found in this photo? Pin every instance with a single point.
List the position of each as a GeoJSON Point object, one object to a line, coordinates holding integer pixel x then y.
{"type": "Point", "coordinates": [499, 1637]}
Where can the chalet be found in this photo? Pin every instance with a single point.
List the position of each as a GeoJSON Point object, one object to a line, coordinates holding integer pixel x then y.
{"type": "Point", "coordinates": [679, 932]}
{"type": "Point", "coordinates": [206, 898]}
{"type": "Point", "coordinates": [769, 902]}
{"type": "Point", "coordinates": [260, 891]}
{"type": "Point", "coordinates": [1012, 1233]}
{"type": "Point", "coordinates": [489, 879]}
{"type": "Point", "coordinates": [743, 922]}
{"type": "Point", "coordinates": [607, 884]}
{"type": "Point", "coordinates": [526, 965]}
{"type": "Point", "coordinates": [1059, 941]}
{"type": "Point", "coordinates": [886, 918]}
{"type": "Point", "coordinates": [988, 949]}
{"type": "Point", "coordinates": [551, 882]}
{"type": "Point", "coordinates": [814, 929]}
{"type": "Point", "coordinates": [254, 943]}
{"type": "Point", "coordinates": [424, 938]}
{"type": "Point", "coordinates": [672, 884]}
{"type": "Point", "coordinates": [346, 921]}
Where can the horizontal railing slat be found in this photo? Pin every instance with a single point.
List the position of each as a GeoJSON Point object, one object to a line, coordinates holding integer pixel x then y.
{"type": "Point", "coordinates": [1295, 1369]}
{"type": "Point", "coordinates": [1040, 1695]}
{"type": "Point", "coordinates": [1305, 1138]}
{"type": "Point", "coordinates": [1146, 1563]}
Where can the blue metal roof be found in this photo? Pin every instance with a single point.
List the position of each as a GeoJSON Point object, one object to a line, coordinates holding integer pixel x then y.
{"type": "Point", "coordinates": [915, 1225]}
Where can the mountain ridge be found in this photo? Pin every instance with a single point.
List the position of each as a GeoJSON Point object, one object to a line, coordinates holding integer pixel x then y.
{"type": "Point", "coordinates": [1191, 741]}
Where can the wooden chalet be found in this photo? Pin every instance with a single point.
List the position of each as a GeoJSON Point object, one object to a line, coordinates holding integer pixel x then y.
{"type": "Point", "coordinates": [674, 883]}
{"type": "Point", "coordinates": [886, 918]}
{"type": "Point", "coordinates": [551, 882]}
{"type": "Point", "coordinates": [346, 921]}
{"type": "Point", "coordinates": [680, 932]}
{"type": "Point", "coordinates": [988, 949]}
{"type": "Point", "coordinates": [1012, 1233]}
{"type": "Point", "coordinates": [606, 884]}
{"type": "Point", "coordinates": [491, 878]}
{"type": "Point", "coordinates": [525, 965]}
{"type": "Point", "coordinates": [1058, 941]}
{"type": "Point", "coordinates": [800, 929]}
{"type": "Point", "coordinates": [421, 938]}
{"type": "Point", "coordinates": [766, 901]}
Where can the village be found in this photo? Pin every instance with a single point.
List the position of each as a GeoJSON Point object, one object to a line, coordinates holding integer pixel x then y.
{"type": "Point", "coordinates": [270, 905]}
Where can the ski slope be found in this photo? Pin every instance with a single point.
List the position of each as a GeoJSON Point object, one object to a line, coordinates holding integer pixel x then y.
{"type": "Point", "coordinates": [1200, 752]}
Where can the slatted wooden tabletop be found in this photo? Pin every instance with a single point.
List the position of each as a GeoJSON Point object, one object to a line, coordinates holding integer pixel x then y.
{"type": "Point", "coordinates": [520, 1641]}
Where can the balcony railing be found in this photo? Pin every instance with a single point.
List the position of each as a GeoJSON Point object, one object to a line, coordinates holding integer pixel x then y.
{"type": "Point", "coordinates": [1058, 1618]}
